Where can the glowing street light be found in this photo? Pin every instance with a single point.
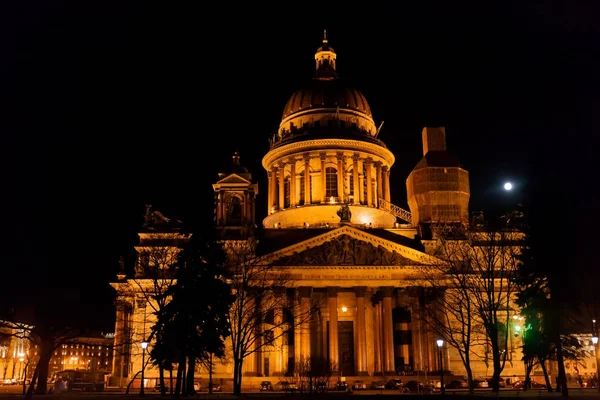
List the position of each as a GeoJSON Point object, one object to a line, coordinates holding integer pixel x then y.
{"type": "Point", "coordinates": [144, 347]}
{"type": "Point", "coordinates": [508, 186]}
{"type": "Point", "coordinates": [440, 343]}
{"type": "Point", "coordinates": [595, 343]}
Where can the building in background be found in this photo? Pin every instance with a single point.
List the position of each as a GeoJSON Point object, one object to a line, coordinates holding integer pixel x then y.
{"type": "Point", "coordinates": [331, 224]}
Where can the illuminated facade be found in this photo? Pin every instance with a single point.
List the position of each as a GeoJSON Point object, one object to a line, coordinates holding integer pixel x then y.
{"type": "Point", "coordinates": [18, 357]}
{"type": "Point", "coordinates": [332, 225]}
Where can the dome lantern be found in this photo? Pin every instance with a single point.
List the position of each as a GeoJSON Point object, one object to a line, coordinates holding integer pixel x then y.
{"type": "Point", "coordinates": [325, 60]}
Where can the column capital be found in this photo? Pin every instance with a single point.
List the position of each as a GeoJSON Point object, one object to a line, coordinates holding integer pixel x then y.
{"type": "Point", "coordinates": [306, 157]}
{"type": "Point", "coordinates": [387, 291]}
{"type": "Point", "coordinates": [305, 291]}
{"type": "Point", "coordinates": [292, 160]}
{"type": "Point", "coordinates": [274, 169]}
{"type": "Point", "coordinates": [385, 168]}
{"type": "Point", "coordinates": [368, 161]}
{"type": "Point", "coordinates": [355, 157]}
{"type": "Point", "coordinates": [121, 304]}
{"type": "Point", "coordinates": [360, 291]}
{"type": "Point", "coordinates": [378, 164]}
{"type": "Point", "coordinates": [339, 155]}
{"type": "Point", "coordinates": [323, 156]}
{"type": "Point", "coordinates": [279, 290]}
{"type": "Point", "coordinates": [332, 291]}
{"type": "Point", "coordinates": [281, 165]}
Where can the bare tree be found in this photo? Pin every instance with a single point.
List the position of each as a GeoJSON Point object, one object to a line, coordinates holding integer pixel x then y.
{"type": "Point", "coordinates": [256, 316]}
{"type": "Point", "coordinates": [313, 374]}
{"type": "Point", "coordinates": [481, 261]}
{"type": "Point", "coordinates": [47, 337]}
{"type": "Point", "coordinates": [447, 308]}
{"type": "Point", "coordinates": [154, 275]}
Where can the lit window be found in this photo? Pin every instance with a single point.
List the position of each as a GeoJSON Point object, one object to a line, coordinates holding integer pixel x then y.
{"type": "Point", "coordinates": [286, 192]}
{"type": "Point", "coordinates": [331, 182]}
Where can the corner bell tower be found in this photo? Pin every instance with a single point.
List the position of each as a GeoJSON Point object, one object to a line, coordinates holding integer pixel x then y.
{"type": "Point", "coordinates": [235, 197]}
{"type": "Point", "coordinates": [438, 187]}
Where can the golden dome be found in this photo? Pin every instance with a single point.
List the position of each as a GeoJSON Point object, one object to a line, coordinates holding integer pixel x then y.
{"type": "Point", "coordinates": [327, 94]}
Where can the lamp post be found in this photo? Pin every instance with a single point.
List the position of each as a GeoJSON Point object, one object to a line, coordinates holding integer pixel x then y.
{"type": "Point", "coordinates": [440, 343]}
{"type": "Point", "coordinates": [23, 369]}
{"type": "Point", "coordinates": [595, 343]}
{"type": "Point", "coordinates": [144, 347]}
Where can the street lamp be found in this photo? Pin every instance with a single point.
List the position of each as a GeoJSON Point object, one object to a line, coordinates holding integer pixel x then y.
{"type": "Point", "coordinates": [595, 343]}
{"type": "Point", "coordinates": [24, 370]}
{"type": "Point", "coordinates": [440, 343]}
{"type": "Point", "coordinates": [144, 347]}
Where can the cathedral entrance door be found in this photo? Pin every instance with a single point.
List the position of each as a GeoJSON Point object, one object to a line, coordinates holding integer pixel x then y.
{"type": "Point", "coordinates": [346, 347]}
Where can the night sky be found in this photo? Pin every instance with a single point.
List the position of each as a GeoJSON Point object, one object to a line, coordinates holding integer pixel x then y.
{"type": "Point", "coordinates": [107, 106]}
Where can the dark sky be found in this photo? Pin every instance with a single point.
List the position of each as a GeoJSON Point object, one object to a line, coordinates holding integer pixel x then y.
{"type": "Point", "coordinates": [107, 106]}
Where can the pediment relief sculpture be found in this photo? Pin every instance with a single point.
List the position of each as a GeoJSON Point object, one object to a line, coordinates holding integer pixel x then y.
{"type": "Point", "coordinates": [345, 250]}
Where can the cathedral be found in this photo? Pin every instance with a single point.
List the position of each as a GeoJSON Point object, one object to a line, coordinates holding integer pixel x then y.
{"type": "Point", "coordinates": [332, 225]}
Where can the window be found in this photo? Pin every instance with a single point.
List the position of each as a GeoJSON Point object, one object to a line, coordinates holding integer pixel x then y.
{"type": "Point", "coordinates": [303, 198]}
{"type": "Point", "coordinates": [351, 185]}
{"type": "Point", "coordinates": [331, 182]}
{"type": "Point", "coordinates": [286, 192]}
{"type": "Point", "coordinates": [234, 211]}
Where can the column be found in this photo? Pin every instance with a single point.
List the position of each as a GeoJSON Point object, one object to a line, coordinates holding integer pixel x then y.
{"type": "Point", "coordinates": [260, 353]}
{"type": "Point", "coordinates": [118, 342]}
{"type": "Point", "coordinates": [297, 329]}
{"type": "Point", "coordinates": [273, 190]}
{"type": "Point", "coordinates": [340, 176]}
{"type": "Point", "coordinates": [245, 209]}
{"type": "Point", "coordinates": [386, 184]}
{"type": "Point", "coordinates": [323, 158]}
{"type": "Point", "coordinates": [250, 367]}
{"type": "Point", "coordinates": [333, 325]}
{"type": "Point", "coordinates": [276, 362]}
{"type": "Point", "coordinates": [405, 347]}
{"type": "Point", "coordinates": [369, 200]}
{"type": "Point", "coordinates": [361, 333]}
{"type": "Point", "coordinates": [355, 183]}
{"type": "Point", "coordinates": [305, 293]}
{"type": "Point", "coordinates": [293, 198]}
{"type": "Point", "coordinates": [378, 183]}
{"type": "Point", "coordinates": [377, 351]}
{"type": "Point", "coordinates": [281, 186]}
{"type": "Point", "coordinates": [388, 331]}
{"type": "Point", "coordinates": [307, 194]}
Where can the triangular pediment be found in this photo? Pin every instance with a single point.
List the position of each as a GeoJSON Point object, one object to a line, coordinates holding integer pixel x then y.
{"type": "Point", "coordinates": [349, 246]}
{"type": "Point", "coordinates": [233, 179]}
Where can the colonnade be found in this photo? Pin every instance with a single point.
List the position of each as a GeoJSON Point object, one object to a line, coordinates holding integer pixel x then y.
{"type": "Point", "coordinates": [349, 169]}
{"type": "Point", "coordinates": [374, 349]}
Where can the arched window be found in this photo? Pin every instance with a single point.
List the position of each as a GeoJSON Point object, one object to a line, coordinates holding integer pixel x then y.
{"type": "Point", "coordinates": [234, 211]}
{"type": "Point", "coordinates": [331, 182]}
{"type": "Point", "coordinates": [351, 184]}
{"type": "Point", "coordinates": [286, 192]}
{"type": "Point", "coordinates": [303, 198]}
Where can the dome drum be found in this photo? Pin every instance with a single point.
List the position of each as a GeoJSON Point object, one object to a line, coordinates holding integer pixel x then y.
{"type": "Point", "coordinates": [325, 216]}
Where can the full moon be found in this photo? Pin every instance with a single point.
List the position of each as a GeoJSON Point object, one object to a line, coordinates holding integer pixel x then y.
{"type": "Point", "coordinates": [508, 186]}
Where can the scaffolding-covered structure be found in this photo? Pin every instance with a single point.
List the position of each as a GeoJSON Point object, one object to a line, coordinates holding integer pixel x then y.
{"type": "Point", "coordinates": [438, 187]}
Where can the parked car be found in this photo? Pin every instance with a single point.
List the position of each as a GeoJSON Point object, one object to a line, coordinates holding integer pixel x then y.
{"type": "Point", "coordinates": [265, 385]}
{"type": "Point", "coordinates": [378, 385]}
{"type": "Point", "coordinates": [287, 386]}
{"type": "Point", "coordinates": [457, 384]}
{"type": "Point", "coordinates": [480, 383]}
{"type": "Point", "coordinates": [215, 387]}
{"type": "Point", "coordinates": [321, 387]}
{"type": "Point", "coordinates": [359, 385]}
{"type": "Point", "coordinates": [416, 387]}
{"type": "Point", "coordinates": [501, 382]}
{"type": "Point", "coordinates": [534, 385]}
{"type": "Point", "coordinates": [394, 383]}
